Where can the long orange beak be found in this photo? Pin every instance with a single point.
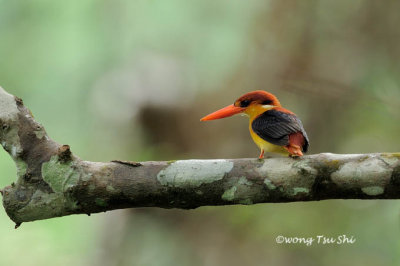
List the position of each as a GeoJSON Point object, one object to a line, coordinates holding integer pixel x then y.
{"type": "Point", "coordinates": [224, 112]}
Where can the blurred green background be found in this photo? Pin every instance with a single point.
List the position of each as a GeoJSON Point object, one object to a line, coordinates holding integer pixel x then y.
{"type": "Point", "coordinates": [129, 80]}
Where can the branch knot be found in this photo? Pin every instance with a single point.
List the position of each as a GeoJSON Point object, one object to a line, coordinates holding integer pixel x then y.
{"type": "Point", "coordinates": [64, 154]}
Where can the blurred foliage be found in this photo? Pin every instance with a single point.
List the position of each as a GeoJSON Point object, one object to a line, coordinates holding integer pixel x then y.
{"type": "Point", "coordinates": [130, 80]}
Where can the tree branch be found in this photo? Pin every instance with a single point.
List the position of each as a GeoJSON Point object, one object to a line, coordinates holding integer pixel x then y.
{"type": "Point", "coordinates": [53, 182]}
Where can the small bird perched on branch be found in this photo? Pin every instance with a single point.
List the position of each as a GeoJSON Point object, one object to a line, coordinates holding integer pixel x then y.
{"type": "Point", "coordinates": [272, 127]}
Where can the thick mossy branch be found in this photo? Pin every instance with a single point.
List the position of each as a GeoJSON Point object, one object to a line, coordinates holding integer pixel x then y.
{"type": "Point", "coordinates": [52, 182]}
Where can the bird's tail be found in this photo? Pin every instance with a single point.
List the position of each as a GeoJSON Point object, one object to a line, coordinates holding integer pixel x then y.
{"type": "Point", "coordinates": [296, 141]}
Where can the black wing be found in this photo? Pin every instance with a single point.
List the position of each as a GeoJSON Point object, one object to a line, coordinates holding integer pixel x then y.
{"type": "Point", "coordinates": [276, 126]}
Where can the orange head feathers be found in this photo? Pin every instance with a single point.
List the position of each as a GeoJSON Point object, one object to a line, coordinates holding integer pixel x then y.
{"type": "Point", "coordinates": [272, 127]}
{"type": "Point", "coordinates": [257, 97]}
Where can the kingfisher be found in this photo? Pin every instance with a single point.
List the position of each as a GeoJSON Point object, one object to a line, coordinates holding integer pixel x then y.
{"type": "Point", "coordinates": [272, 127]}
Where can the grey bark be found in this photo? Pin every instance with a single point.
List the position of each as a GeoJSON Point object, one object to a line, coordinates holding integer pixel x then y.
{"type": "Point", "coordinates": [52, 182]}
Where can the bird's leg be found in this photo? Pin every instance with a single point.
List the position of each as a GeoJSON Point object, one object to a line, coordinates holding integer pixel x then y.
{"type": "Point", "coordinates": [261, 154]}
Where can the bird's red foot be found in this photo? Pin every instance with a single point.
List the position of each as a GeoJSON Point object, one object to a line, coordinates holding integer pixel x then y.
{"type": "Point", "coordinates": [294, 151]}
{"type": "Point", "coordinates": [261, 155]}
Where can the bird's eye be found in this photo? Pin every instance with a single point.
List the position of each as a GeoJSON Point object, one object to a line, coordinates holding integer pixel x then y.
{"type": "Point", "coordinates": [244, 103]}
{"type": "Point", "coordinates": [266, 102]}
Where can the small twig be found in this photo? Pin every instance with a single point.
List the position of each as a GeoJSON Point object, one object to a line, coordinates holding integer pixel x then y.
{"type": "Point", "coordinates": [134, 164]}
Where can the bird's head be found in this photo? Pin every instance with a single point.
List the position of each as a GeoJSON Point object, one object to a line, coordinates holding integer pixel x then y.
{"type": "Point", "coordinates": [252, 104]}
